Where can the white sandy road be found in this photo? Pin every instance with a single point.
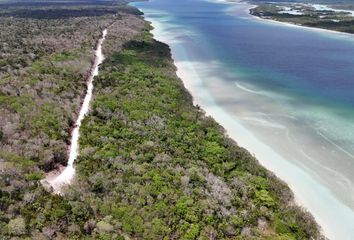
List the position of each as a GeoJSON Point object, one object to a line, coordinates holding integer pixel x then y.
{"type": "Point", "coordinates": [65, 176]}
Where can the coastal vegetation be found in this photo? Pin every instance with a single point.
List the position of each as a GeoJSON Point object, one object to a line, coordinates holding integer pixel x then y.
{"type": "Point", "coordinates": [151, 165]}
{"type": "Point", "coordinates": [156, 167]}
{"type": "Point", "coordinates": [306, 15]}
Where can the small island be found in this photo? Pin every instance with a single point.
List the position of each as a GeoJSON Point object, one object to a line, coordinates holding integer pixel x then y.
{"type": "Point", "coordinates": [336, 18]}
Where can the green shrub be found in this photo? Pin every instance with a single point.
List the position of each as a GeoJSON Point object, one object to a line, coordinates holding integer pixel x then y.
{"type": "Point", "coordinates": [17, 226]}
{"type": "Point", "coordinates": [104, 227]}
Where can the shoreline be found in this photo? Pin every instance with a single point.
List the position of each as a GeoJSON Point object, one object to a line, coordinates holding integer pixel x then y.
{"type": "Point", "coordinates": [240, 134]}
{"type": "Point", "coordinates": [262, 152]}
{"type": "Point", "coordinates": [259, 149]}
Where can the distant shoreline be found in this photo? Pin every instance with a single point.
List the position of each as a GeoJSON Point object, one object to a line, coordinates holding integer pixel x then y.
{"type": "Point", "coordinates": [289, 24]}
{"type": "Point", "coordinates": [293, 24]}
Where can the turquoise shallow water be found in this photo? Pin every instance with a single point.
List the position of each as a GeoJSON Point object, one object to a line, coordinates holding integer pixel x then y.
{"type": "Point", "coordinates": [285, 93]}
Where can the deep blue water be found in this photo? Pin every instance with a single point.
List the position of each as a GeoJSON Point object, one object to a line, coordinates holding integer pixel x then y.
{"type": "Point", "coordinates": [278, 57]}
{"type": "Point", "coordinates": [303, 74]}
